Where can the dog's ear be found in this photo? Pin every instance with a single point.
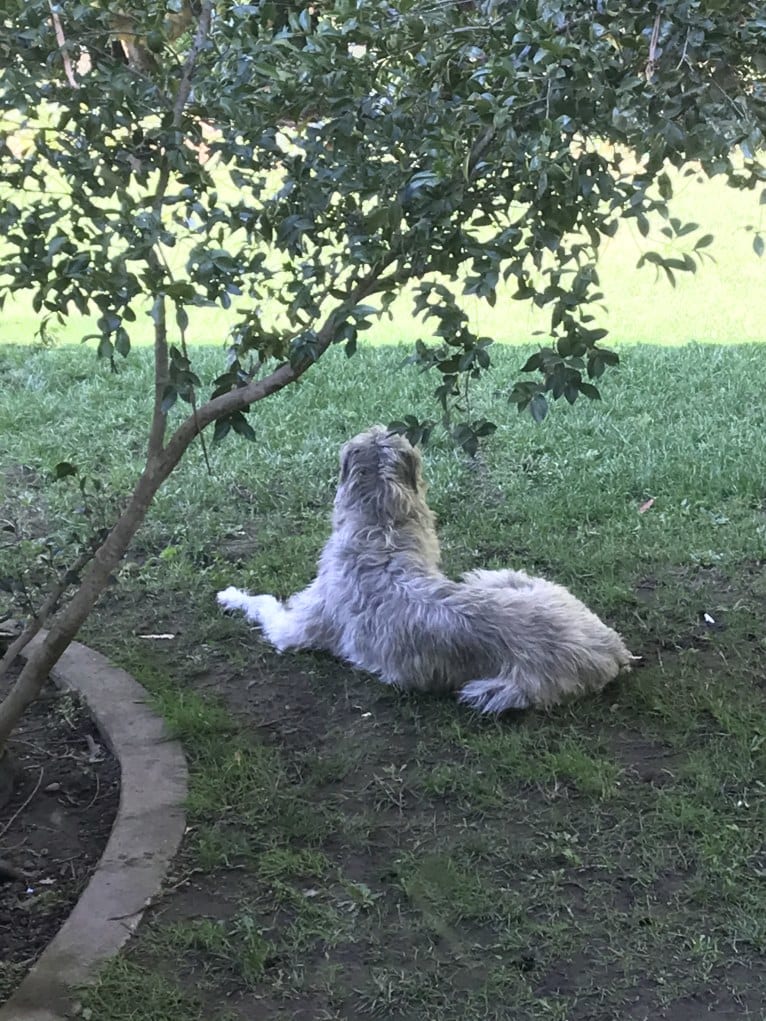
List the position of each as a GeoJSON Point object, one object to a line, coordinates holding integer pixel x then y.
{"type": "Point", "coordinates": [346, 457]}
{"type": "Point", "coordinates": [410, 468]}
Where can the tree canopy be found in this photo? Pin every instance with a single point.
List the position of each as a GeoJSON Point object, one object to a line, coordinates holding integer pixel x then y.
{"type": "Point", "coordinates": [310, 161]}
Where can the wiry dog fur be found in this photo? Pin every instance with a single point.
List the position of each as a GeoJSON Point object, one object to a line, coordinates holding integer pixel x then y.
{"type": "Point", "coordinates": [503, 639]}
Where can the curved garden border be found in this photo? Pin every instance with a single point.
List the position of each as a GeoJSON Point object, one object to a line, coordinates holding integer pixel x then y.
{"type": "Point", "coordinates": [147, 831]}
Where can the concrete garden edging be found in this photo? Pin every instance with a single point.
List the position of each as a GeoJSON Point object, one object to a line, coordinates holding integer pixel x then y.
{"type": "Point", "coordinates": [146, 834]}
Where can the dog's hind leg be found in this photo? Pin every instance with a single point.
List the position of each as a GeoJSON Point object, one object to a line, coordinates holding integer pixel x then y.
{"type": "Point", "coordinates": [494, 695]}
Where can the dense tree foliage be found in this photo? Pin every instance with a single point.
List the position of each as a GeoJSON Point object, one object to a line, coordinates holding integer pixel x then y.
{"type": "Point", "coordinates": [360, 145]}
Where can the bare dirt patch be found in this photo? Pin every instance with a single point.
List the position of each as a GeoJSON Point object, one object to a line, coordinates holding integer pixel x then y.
{"type": "Point", "coordinates": [54, 827]}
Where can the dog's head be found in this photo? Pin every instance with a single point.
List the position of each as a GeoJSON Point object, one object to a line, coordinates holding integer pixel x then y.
{"type": "Point", "coordinates": [380, 474]}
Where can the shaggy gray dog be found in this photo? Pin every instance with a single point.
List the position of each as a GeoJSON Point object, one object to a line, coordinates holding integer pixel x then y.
{"type": "Point", "coordinates": [379, 601]}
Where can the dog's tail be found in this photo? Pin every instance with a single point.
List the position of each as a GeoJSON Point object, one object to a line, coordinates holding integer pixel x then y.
{"type": "Point", "coordinates": [494, 695]}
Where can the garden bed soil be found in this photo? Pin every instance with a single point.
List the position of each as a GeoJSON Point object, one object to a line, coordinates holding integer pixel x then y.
{"type": "Point", "coordinates": [54, 827]}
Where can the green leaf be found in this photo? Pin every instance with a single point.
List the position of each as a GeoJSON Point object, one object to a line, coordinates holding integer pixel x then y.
{"type": "Point", "coordinates": [758, 244]}
{"type": "Point", "coordinates": [109, 322]}
{"type": "Point", "coordinates": [182, 318]}
{"type": "Point", "coordinates": [589, 390]}
{"type": "Point", "coordinates": [169, 398]}
{"type": "Point", "coordinates": [665, 185]}
{"type": "Point", "coordinates": [57, 244]}
{"type": "Point", "coordinates": [538, 407]}
{"type": "Point", "coordinates": [485, 428]}
{"type": "Point", "coordinates": [64, 469]}
{"type": "Point", "coordinates": [122, 342]}
{"type": "Point", "coordinates": [105, 348]}
{"type": "Point", "coordinates": [221, 429]}
{"type": "Point", "coordinates": [608, 357]}
{"type": "Point", "coordinates": [241, 426]}
{"type": "Point", "coordinates": [532, 363]}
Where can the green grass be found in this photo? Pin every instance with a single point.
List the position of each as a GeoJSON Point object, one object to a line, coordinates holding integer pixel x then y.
{"type": "Point", "coordinates": [684, 427]}
{"type": "Point", "coordinates": [150, 995]}
{"type": "Point", "coordinates": [355, 852]}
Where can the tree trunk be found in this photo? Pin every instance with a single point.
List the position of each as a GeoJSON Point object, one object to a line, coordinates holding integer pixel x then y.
{"type": "Point", "coordinates": [32, 677]}
{"type": "Point", "coordinates": [95, 578]}
{"type": "Point", "coordinates": [160, 463]}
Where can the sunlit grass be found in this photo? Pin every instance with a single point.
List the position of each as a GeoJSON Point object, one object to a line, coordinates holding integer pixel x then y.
{"type": "Point", "coordinates": [724, 302]}
{"type": "Point", "coordinates": [683, 426]}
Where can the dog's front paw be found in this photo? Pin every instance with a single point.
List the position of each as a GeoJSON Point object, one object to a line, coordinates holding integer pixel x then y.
{"type": "Point", "coordinates": [263, 610]}
{"type": "Point", "coordinates": [232, 598]}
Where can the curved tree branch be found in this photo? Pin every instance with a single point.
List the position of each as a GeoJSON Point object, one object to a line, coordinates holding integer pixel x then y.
{"type": "Point", "coordinates": [157, 470]}
{"type": "Point", "coordinates": [282, 376]}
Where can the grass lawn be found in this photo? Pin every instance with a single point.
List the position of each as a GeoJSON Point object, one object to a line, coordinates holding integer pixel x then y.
{"type": "Point", "coordinates": [355, 852]}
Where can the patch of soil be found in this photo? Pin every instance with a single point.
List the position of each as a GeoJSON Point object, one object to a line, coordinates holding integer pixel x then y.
{"type": "Point", "coordinates": [54, 828]}
{"type": "Point", "coordinates": [648, 760]}
{"type": "Point", "coordinates": [365, 749]}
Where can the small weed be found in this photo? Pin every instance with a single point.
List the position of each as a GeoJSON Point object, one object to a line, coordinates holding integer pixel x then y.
{"type": "Point", "coordinates": [360, 897]}
{"type": "Point", "coordinates": [219, 844]}
{"type": "Point", "coordinates": [125, 991]}
{"type": "Point", "coordinates": [219, 946]}
{"type": "Point", "coordinates": [283, 863]}
{"type": "Point", "coordinates": [315, 925]}
{"type": "Point", "coordinates": [251, 950]}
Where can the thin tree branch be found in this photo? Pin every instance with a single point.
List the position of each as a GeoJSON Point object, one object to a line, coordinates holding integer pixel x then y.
{"type": "Point", "coordinates": [197, 46]}
{"type": "Point", "coordinates": [159, 419]}
{"type": "Point", "coordinates": [195, 410]}
{"type": "Point", "coordinates": [58, 29]}
{"type": "Point", "coordinates": [282, 376]}
{"type": "Point", "coordinates": [41, 616]}
{"type": "Point", "coordinates": [184, 348]}
{"type": "Point", "coordinates": [651, 64]}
